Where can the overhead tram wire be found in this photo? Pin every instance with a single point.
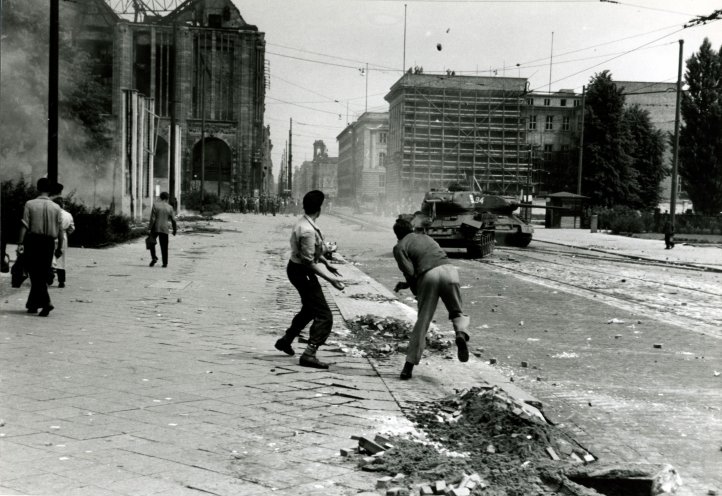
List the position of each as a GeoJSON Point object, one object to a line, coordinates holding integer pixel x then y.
{"type": "Point", "coordinates": [329, 56]}
{"type": "Point", "coordinates": [636, 6]}
{"type": "Point", "coordinates": [333, 64]}
{"type": "Point", "coordinates": [303, 106]}
{"type": "Point", "coordinates": [610, 59]}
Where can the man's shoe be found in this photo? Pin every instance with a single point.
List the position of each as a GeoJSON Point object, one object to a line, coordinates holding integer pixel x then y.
{"type": "Point", "coordinates": [462, 351]}
{"type": "Point", "coordinates": [61, 285]}
{"type": "Point", "coordinates": [312, 361]}
{"type": "Point", "coordinates": [153, 262]}
{"type": "Point", "coordinates": [45, 311]}
{"type": "Point", "coordinates": [284, 346]}
{"type": "Point", "coordinates": [406, 372]}
{"type": "Point", "coordinates": [32, 310]}
{"type": "Point", "coordinates": [165, 265]}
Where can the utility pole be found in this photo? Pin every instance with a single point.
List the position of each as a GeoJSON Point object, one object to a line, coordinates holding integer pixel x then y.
{"type": "Point", "coordinates": [173, 138]}
{"type": "Point", "coordinates": [551, 58]}
{"type": "Point", "coordinates": [203, 128]}
{"type": "Point", "coordinates": [53, 78]}
{"type": "Point", "coordinates": [675, 151]}
{"type": "Point", "coordinates": [581, 145]}
{"type": "Point", "coordinates": [367, 88]}
{"type": "Point", "coordinates": [290, 158]}
{"type": "Point", "coordinates": [403, 69]}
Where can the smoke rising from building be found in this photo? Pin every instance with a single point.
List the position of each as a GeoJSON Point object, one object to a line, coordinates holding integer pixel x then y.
{"type": "Point", "coordinates": [83, 166]}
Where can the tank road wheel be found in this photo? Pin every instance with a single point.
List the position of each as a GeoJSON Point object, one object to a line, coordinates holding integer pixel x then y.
{"type": "Point", "coordinates": [520, 240]}
{"type": "Point", "coordinates": [474, 251]}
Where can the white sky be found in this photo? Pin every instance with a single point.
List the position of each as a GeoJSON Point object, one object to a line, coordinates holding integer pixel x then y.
{"type": "Point", "coordinates": [475, 35]}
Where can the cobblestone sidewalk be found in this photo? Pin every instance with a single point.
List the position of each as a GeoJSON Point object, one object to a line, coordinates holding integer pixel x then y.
{"type": "Point", "coordinates": [165, 381]}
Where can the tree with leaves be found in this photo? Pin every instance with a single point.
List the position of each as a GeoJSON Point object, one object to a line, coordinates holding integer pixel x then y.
{"type": "Point", "coordinates": [609, 176]}
{"type": "Point", "coordinates": [646, 148]}
{"type": "Point", "coordinates": [700, 138]}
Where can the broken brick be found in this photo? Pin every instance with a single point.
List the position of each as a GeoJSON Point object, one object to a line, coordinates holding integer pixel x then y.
{"type": "Point", "coordinates": [552, 454]}
{"type": "Point", "coordinates": [382, 441]}
{"type": "Point", "coordinates": [383, 482]}
{"type": "Point", "coordinates": [397, 491]}
{"type": "Point", "coordinates": [345, 452]}
{"type": "Point", "coordinates": [425, 490]}
{"type": "Point", "coordinates": [369, 446]}
{"type": "Point", "coordinates": [439, 487]}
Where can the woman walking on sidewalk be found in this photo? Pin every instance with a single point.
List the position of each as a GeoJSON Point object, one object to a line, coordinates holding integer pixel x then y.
{"type": "Point", "coordinates": [306, 265]}
{"type": "Point", "coordinates": [430, 276]}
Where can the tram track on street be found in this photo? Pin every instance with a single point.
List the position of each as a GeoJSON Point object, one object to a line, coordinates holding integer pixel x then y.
{"type": "Point", "coordinates": [611, 259]}
{"type": "Point", "coordinates": [694, 308]}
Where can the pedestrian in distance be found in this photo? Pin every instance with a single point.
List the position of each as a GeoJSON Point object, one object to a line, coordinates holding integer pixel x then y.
{"type": "Point", "coordinates": [41, 225]}
{"type": "Point", "coordinates": [430, 276]}
{"type": "Point", "coordinates": [67, 228]}
{"type": "Point", "coordinates": [668, 235]}
{"type": "Point", "coordinates": [307, 264]}
{"type": "Point", "coordinates": [162, 217]}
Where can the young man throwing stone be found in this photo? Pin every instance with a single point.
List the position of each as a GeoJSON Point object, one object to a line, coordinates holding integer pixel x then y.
{"type": "Point", "coordinates": [306, 265]}
{"type": "Point", "coordinates": [430, 276]}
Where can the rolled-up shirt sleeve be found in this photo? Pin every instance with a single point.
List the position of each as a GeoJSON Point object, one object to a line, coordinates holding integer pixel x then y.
{"type": "Point", "coordinates": [307, 247]}
{"type": "Point", "coordinates": [26, 217]}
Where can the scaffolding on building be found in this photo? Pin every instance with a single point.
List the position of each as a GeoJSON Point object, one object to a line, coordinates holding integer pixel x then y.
{"type": "Point", "coordinates": [460, 129]}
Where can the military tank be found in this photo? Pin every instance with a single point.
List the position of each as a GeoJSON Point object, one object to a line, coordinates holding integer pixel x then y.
{"type": "Point", "coordinates": [509, 228]}
{"type": "Point", "coordinates": [466, 219]}
{"type": "Point", "coordinates": [452, 219]}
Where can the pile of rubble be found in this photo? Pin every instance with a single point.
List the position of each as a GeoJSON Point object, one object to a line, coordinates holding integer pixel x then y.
{"type": "Point", "coordinates": [381, 336]}
{"type": "Point", "coordinates": [478, 441]}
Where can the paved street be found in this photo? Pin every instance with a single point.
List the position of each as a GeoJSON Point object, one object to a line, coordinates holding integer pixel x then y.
{"type": "Point", "coordinates": [165, 381]}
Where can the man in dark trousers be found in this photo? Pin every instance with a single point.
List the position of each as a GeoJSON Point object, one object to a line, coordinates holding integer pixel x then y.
{"type": "Point", "coordinates": [161, 215]}
{"type": "Point", "coordinates": [668, 235]}
{"type": "Point", "coordinates": [430, 276]}
{"type": "Point", "coordinates": [41, 225]}
{"type": "Point", "coordinates": [306, 265]}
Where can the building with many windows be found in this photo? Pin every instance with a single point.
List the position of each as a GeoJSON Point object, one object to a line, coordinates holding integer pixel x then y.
{"type": "Point", "coordinates": [362, 152]}
{"type": "Point", "coordinates": [448, 128]}
{"type": "Point", "coordinates": [553, 124]}
{"type": "Point", "coordinates": [199, 66]}
{"type": "Point", "coordinates": [202, 66]}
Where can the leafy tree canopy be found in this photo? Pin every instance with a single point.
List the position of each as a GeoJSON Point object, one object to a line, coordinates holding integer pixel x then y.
{"type": "Point", "coordinates": [700, 139]}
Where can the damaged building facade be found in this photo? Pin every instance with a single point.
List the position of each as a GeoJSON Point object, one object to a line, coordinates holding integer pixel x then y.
{"type": "Point", "coordinates": [188, 90]}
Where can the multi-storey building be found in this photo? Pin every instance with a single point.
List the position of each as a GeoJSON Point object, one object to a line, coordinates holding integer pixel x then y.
{"type": "Point", "coordinates": [362, 152]}
{"type": "Point", "coordinates": [319, 173]}
{"type": "Point", "coordinates": [553, 123]}
{"type": "Point", "coordinates": [448, 128]}
{"type": "Point", "coordinates": [202, 67]}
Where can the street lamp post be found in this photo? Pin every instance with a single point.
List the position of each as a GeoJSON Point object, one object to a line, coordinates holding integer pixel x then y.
{"type": "Point", "coordinates": [53, 77]}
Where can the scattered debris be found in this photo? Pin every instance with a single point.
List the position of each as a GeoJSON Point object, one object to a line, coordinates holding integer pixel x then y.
{"type": "Point", "coordinates": [615, 321]}
{"type": "Point", "coordinates": [657, 345]}
{"type": "Point", "coordinates": [477, 441]}
{"type": "Point", "coordinates": [372, 297]}
{"type": "Point", "coordinates": [381, 336]}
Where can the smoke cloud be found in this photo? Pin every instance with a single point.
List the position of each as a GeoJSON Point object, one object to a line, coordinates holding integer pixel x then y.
{"type": "Point", "coordinates": [83, 167]}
